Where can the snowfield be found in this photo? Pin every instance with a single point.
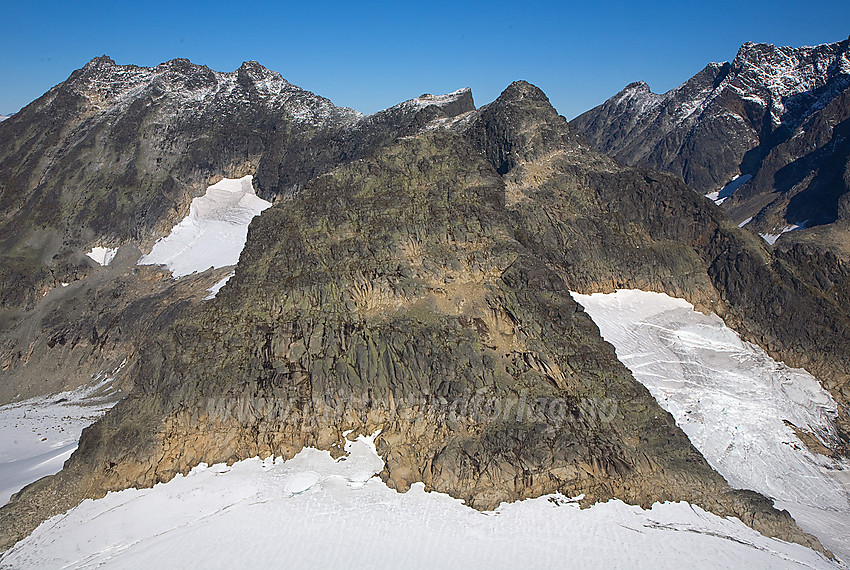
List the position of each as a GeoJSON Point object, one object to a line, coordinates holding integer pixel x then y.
{"type": "Point", "coordinates": [40, 434]}
{"type": "Point", "coordinates": [735, 404]}
{"type": "Point", "coordinates": [314, 512]}
{"type": "Point", "coordinates": [214, 232]}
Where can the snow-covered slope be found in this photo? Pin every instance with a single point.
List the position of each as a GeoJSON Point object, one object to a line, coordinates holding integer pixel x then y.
{"type": "Point", "coordinates": [38, 435]}
{"type": "Point", "coordinates": [214, 232]}
{"type": "Point", "coordinates": [314, 512]}
{"type": "Point", "coordinates": [735, 404]}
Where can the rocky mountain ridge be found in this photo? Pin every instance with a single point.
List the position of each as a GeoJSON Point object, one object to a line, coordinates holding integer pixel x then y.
{"type": "Point", "coordinates": [413, 276]}
{"type": "Point", "coordinates": [112, 157]}
{"type": "Point", "coordinates": [754, 116]}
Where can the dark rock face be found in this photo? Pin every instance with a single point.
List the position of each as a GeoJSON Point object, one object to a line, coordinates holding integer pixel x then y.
{"type": "Point", "coordinates": [776, 113]}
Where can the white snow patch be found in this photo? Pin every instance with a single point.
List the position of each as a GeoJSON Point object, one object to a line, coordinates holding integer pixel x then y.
{"type": "Point", "coordinates": [731, 398]}
{"type": "Point", "coordinates": [315, 512]}
{"type": "Point", "coordinates": [771, 238]}
{"type": "Point", "coordinates": [214, 232]}
{"type": "Point", "coordinates": [213, 291]}
{"type": "Point", "coordinates": [721, 195]}
{"type": "Point", "coordinates": [745, 222]}
{"type": "Point", "coordinates": [38, 435]}
{"type": "Point", "coordinates": [103, 255]}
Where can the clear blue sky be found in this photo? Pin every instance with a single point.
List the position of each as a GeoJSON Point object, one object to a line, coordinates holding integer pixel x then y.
{"type": "Point", "coordinates": [371, 55]}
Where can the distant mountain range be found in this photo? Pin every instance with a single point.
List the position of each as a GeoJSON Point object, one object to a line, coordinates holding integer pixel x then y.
{"type": "Point", "coordinates": [777, 117]}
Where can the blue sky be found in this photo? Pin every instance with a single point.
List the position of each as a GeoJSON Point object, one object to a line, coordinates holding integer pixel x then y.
{"type": "Point", "coordinates": [371, 55]}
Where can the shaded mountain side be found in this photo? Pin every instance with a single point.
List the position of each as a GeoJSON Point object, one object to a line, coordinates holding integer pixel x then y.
{"type": "Point", "coordinates": [602, 226]}
{"type": "Point", "coordinates": [93, 327]}
{"type": "Point", "coordinates": [775, 113]}
{"type": "Point", "coordinates": [393, 294]}
{"type": "Point", "coordinates": [706, 131]}
{"type": "Point", "coordinates": [115, 154]}
{"type": "Point", "coordinates": [803, 180]}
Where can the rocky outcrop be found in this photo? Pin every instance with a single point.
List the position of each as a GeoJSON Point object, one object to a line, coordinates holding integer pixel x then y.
{"type": "Point", "coordinates": [410, 292]}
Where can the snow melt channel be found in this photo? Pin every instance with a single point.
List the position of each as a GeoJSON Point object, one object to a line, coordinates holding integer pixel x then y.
{"type": "Point", "coordinates": [315, 512]}
{"type": "Point", "coordinates": [214, 232]}
{"type": "Point", "coordinates": [733, 402]}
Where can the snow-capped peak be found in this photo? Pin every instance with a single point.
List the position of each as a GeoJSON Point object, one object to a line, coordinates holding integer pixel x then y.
{"type": "Point", "coordinates": [192, 89]}
{"type": "Point", "coordinates": [772, 75]}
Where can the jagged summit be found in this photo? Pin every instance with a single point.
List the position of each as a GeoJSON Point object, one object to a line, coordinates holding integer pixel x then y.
{"type": "Point", "coordinates": [727, 120]}
{"type": "Point", "coordinates": [108, 85]}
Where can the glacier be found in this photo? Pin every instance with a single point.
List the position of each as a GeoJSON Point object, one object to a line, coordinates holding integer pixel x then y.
{"type": "Point", "coordinates": [316, 512]}
{"type": "Point", "coordinates": [736, 404]}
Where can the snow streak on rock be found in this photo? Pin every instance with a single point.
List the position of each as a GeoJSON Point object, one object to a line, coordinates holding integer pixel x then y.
{"type": "Point", "coordinates": [721, 195]}
{"type": "Point", "coordinates": [314, 512]}
{"type": "Point", "coordinates": [737, 405]}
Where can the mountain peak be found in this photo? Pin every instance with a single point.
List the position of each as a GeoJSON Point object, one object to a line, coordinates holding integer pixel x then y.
{"type": "Point", "coordinates": [638, 86]}
{"type": "Point", "coordinates": [522, 89]}
{"type": "Point", "coordinates": [101, 61]}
